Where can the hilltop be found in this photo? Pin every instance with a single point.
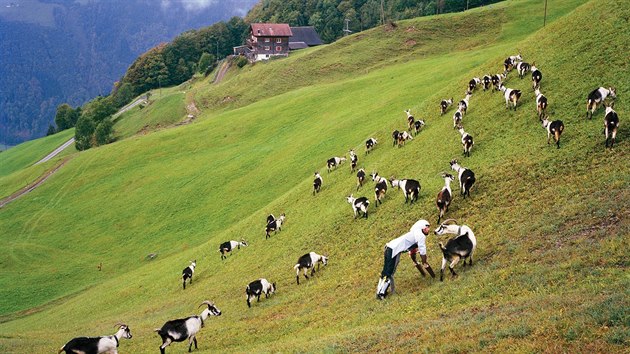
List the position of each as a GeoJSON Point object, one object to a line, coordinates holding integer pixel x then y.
{"type": "Point", "coordinates": [551, 224]}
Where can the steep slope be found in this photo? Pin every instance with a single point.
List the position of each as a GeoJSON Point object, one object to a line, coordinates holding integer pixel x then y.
{"type": "Point", "coordinates": [552, 224]}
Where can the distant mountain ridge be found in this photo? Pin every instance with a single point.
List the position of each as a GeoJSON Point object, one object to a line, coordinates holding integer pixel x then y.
{"type": "Point", "coordinates": [71, 51]}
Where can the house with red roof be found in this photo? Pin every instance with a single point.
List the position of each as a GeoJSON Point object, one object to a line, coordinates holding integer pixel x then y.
{"type": "Point", "coordinates": [266, 40]}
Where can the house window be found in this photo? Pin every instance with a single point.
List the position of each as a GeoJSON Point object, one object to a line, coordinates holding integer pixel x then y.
{"type": "Point", "coordinates": [278, 40]}
{"type": "Point", "coordinates": [267, 47]}
{"type": "Point", "coordinates": [278, 48]}
{"type": "Point", "coordinates": [267, 40]}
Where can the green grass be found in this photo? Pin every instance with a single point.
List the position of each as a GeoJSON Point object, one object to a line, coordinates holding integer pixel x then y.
{"type": "Point", "coordinates": [550, 272]}
{"type": "Point", "coordinates": [17, 169]}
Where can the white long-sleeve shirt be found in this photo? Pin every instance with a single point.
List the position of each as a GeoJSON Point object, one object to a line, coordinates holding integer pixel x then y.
{"type": "Point", "coordinates": [414, 236]}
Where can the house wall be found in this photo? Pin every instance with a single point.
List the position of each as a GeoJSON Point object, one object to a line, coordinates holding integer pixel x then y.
{"type": "Point", "coordinates": [266, 47]}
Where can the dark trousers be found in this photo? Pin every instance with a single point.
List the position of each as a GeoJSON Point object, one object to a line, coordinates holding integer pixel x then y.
{"type": "Point", "coordinates": [390, 263]}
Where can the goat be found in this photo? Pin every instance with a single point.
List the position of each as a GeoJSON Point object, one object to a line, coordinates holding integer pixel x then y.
{"type": "Point", "coordinates": [444, 196]}
{"type": "Point", "coordinates": [360, 178]}
{"type": "Point", "coordinates": [410, 119]}
{"type": "Point", "coordinates": [511, 96]}
{"type": "Point", "coordinates": [541, 104]}
{"type": "Point", "coordinates": [410, 188]}
{"type": "Point", "coordinates": [463, 104]}
{"type": "Point", "coordinates": [97, 345]}
{"type": "Point", "coordinates": [554, 128]}
{"type": "Point", "coordinates": [403, 137]}
{"type": "Point", "coordinates": [522, 68]}
{"type": "Point", "coordinates": [370, 144]}
{"type": "Point", "coordinates": [275, 226]}
{"type": "Point", "coordinates": [487, 80]}
{"type": "Point", "coordinates": [536, 76]}
{"type": "Point", "coordinates": [472, 84]}
{"type": "Point", "coordinates": [353, 160]}
{"type": "Point", "coordinates": [186, 328]}
{"type": "Point", "coordinates": [395, 135]}
{"type": "Point", "coordinates": [444, 105]}
{"type": "Point", "coordinates": [187, 273]}
{"type": "Point", "coordinates": [417, 125]}
{"type": "Point", "coordinates": [497, 81]}
{"type": "Point", "coordinates": [457, 118]}
{"type": "Point", "coordinates": [257, 288]}
{"type": "Point", "coordinates": [359, 205]}
{"type": "Point", "coordinates": [466, 178]}
{"type": "Point", "coordinates": [307, 262]}
{"type": "Point", "coordinates": [467, 141]}
{"type": "Point", "coordinates": [611, 123]}
{"type": "Point", "coordinates": [228, 246]}
{"type": "Point", "coordinates": [508, 63]}
{"type": "Point", "coordinates": [381, 187]}
{"type": "Point", "coordinates": [333, 162]}
{"type": "Point", "coordinates": [463, 245]}
{"type": "Point", "coordinates": [596, 97]}
{"type": "Point", "coordinates": [317, 183]}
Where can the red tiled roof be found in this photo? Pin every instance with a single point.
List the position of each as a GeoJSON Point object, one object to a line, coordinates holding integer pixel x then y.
{"type": "Point", "coordinates": [271, 29]}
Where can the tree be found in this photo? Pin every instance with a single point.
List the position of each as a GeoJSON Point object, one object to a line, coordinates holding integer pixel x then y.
{"type": "Point", "coordinates": [123, 95]}
{"type": "Point", "coordinates": [65, 117]}
{"type": "Point", "coordinates": [205, 62]}
{"type": "Point", "coordinates": [103, 133]}
{"type": "Point", "coordinates": [84, 133]}
{"type": "Point", "coordinates": [51, 130]}
{"type": "Point", "coordinates": [99, 109]}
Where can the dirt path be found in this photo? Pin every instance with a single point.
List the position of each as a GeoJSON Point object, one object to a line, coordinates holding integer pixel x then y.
{"type": "Point", "coordinates": [33, 185]}
{"type": "Point", "coordinates": [222, 70]}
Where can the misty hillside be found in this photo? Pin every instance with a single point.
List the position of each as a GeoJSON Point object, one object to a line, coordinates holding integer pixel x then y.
{"type": "Point", "coordinates": [71, 51]}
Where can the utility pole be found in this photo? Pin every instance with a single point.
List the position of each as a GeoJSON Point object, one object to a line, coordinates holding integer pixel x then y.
{"type": "Point", "coordinates": [382, 13]}
{"type": "Point", "coordinates": [545, 18]}
{"type": "Point", "coordinates": [346, 30]}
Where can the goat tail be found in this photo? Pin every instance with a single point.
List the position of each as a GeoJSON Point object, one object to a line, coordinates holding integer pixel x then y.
{"type": "Point", "coordinates": [296, 266]}
{"type": "Point", "coordinates": [62, 349]}
{"type": "Point", "coordinates": [442, 247]}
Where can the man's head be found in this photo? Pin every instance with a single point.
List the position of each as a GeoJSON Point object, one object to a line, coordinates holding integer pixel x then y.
{"type": "Point", "coordinates": [422, 225]}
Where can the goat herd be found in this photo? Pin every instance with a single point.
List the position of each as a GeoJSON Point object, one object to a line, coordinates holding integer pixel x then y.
{"type": "Point", "coordinates": [187, 328]}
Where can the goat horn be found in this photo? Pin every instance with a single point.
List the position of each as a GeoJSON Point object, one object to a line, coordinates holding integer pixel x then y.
{"type": "Point", "coordinates": [207, 302]}
{"type": "Point", "coordinates": [120, 324]}
{"type": "Point", "coordinates": [447, 220]}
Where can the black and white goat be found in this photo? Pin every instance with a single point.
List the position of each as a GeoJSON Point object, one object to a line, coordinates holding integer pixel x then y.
{"type": "Point", "coordinates": [536, 76]}
{"type": "Point", "coordinates": [354, 159]}
{"type": "Point", "coordinates": [463, 245]}
{"type": "Point", "coordinates": [187, 273]}
{"type": "Point", "coordinates": [395, 135]}
{"type": "Point", "coordinates": [444, 105]}
{"type": "Point", "coordinates": [417, 125]}
{"type": "Point", "coordinates": [257, 288]}
{"type": "Point", "coordinates": [359, 205]}
{"type": "Point", "coordinates": [97, 345]}
{"type": "Point", "coordinates": [410, 119]}
{"type": "Point", "coordinates": [186, 328]}
{"type": "Point", "coordinates": [522, 68]}
{"type": "Point", "coordinates": [403, 137]}
{"type": "Point", "coordinates": [611, 123]}
{"type": "Point", "coordinates": [466, 178]}
{"type": "Point", "coordinates": [317, 183]}
{"type": "Point", "coordinates": [472, 84]}
{"type": "Point", "coordinates": [333, 162]}
{"type": "Point", "coordinates": [410, 188]}
{"type": "Point", "coordinates": [381, 187]}
{"type": "Point", "coordinates": [370, 144]}
{"type": "Point", "coordinates": [497, 81]}
{"type": "Point", "coordinates": [596, 97]}
{"type": "Point", "coordinates": [509, 62]}
{"type": "Point", "coordinates": [511, 96]}
{"type": "Point", "coordinates": [541, 104]}
{"type": "Point", "coordinates": [554, 128]}
{"type": "Point", "coordinates": [463, 104]}
{"type": "Point", "coordinates": [228, 246]}
{"type": "Point", "coordinates": [444, 196]}
{"type": "Point", "coordinates": [307, 262]}
{"type": "Point", "coordinates": [467, 141]}
{"type": "Point", "coordinates": [457, 118]}
{"type": "Point", "coordinates": [486, 80]}
{"type": "Point", "coordinates": [274, 226]}
{"type": "Point", "coordinates": [360, 178]}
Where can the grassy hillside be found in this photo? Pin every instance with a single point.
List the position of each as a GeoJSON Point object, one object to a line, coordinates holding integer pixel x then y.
{"type": "Point", "coordinates": [552, 225]}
